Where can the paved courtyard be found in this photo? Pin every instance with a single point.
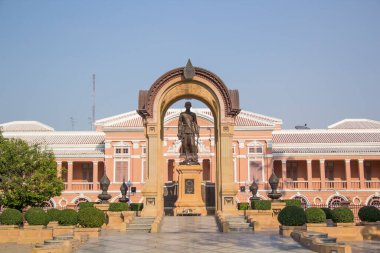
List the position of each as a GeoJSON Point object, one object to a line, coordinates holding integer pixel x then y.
{"type": "Point", "coordinates": [191, 234]}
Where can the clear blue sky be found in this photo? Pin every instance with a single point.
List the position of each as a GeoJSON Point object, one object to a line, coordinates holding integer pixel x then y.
{"type": "Point", "coordinates": [313, 62]}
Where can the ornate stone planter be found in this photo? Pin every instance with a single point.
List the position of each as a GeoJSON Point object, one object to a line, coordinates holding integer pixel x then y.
{"type": "Point", "coordinates": [63, 230]}
{"type": "Point", "coordinates": [34, 234]}
{"type": "Point", "coordinates": [53, 224]}
{"type": "Point", "coordinates": [128, 216]}
{"type": "Point", "coordinates": [9, 233]}
{"type": "Point", "coordinates": [287, 230]}
{"type": "Point", "coordinates": [370, 230]}
{"type": "Point", "coordinates": [115, 220]}
{"type": "Point", "coordinates": [91, 232]}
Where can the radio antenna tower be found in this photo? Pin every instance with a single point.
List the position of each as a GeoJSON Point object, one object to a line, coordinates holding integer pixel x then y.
{"type": "Point", "coordinates": [93, 101]}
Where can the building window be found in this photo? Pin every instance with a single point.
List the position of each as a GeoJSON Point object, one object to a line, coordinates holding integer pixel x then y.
{"type": "Point", "coordinates": [292, 170]}
{"type": "Point", "coordinates": [304, 202]}
{"type": "Point", "coordinates": [335, 201]}
{"type": "Point", "coordinates": [374, 201]}
{"type": "Point", "coordinates": [121, 171]}
{"type": "Point", "coordinates": [255, 171]}
{"type": "Point", "coordinates": [121, 151]}
{"type": "Point", "coordinates": [255, 148]}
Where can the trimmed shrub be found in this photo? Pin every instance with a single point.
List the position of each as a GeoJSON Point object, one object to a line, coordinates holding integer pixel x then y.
{"type": "Point", "coordinates": [292, 216]}
{"type": "Point", "coordinates": [136, 206]}
{"type": "Point", "coordinates": [261, 205]}
{"type": "Point", "coordinates": [315, 215]}
{"type": "Point", "coordinates": [68, 217]}
{"type": "Point", "coordinates": [91, 217]}
{"type": "Point", "coordinates": [292, 202]}
{"type": "Point", "coordinates": [53, 214]}
{"type": "Point", "coordinates": [327, 212]}
{"type": "Point", "coordinates": [37, 216]}
{"type": "Point", "coordinates": [11, 216]}
{"type": "Point", "coordinates": [243, 206]}
{"type": "Point", "coordinates": [118, 207]}
{"type": "Point", "coordinates": [342, 214]}
{"type": "Point", "coordinates": [86, 204]}
{"type": "Point", "coordinates": [369, 214]}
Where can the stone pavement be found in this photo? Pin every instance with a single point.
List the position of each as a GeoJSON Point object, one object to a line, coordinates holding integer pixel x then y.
{"type": "Point", "coordinates": [191, 234]}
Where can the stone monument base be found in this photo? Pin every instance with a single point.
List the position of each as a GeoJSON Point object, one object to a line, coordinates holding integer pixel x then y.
{"type": "Point", "coordinates": [189, 200]}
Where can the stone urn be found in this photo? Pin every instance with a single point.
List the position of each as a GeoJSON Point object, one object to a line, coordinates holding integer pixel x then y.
{"type": "Point", "coordinates": [273, 182]}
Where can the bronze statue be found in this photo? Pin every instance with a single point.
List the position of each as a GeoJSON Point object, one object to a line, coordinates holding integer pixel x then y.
{"type": "Point", "coordinates": [188, 130]}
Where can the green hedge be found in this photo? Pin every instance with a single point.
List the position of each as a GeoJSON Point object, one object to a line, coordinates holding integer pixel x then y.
{"type": "Point", "coordinates": [86, 204]}
{"type": "Point", "coordinates": [327, 212]}
{"type": "Point", "coordinates": [37, 216]}
{"type": "Point", "coordinates": [11, 216]}
{"type": "Point", "coordinates": [118, 207]}
{"type": "Point", "coordinates": [261, 205]}
{"type": "Point", "coordinates": [53, 214]}
{"type": "Point", "coordinates": [369, 214]}
{"type": "Point", "coordinates": [91, 217]}
{"type": "Point", "coordinates": [342, 215]}
{"type": "Point", "coordinates": [68, 217]}
{"type": "Point", "coordinates": [136, 206]}
{"type": "Point", "coordinates": [292, 216]}
{"type": "Point", "coordinates": [292, 202]}
{"type": "Point", "coordinates": [315, 215]}
{"type": "Point", "coordinates": [243, 206]}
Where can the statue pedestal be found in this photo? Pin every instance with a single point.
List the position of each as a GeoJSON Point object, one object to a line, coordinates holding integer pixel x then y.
{"type": "Point", "coordinates": [189, 200]}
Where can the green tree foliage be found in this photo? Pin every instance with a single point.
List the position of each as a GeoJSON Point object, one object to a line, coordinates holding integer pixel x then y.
{"type": "Point", "coordinates": [28, 174]}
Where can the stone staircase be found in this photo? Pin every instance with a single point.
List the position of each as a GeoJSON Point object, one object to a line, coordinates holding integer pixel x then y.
{"type": "Point", "coordinates": [61, 243]}
{"type": "Point", "coordinates": [238, 224]}
{"type": "Point", "coordinates": [141, 224]}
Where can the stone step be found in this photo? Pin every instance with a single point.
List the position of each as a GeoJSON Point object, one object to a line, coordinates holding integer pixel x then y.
{"type": "Point", "coordinates": [328, 240]}
{"type": "Point", "coordinates": [63, 237]}
{"type": "Point", "coordinates": [246, 229]}
{"type": "Point", "coordinates": [239, 225]}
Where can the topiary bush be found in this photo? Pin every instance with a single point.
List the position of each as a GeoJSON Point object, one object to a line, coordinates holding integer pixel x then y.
{"type": "Point", "coordinates": [36, 216]}
{"type": "Point", "coordinates": [136, 206]}
{"type": "Point", "coordinates": [86, 204]}
{"type": "Point", "coordinates": [369, 214]}
{"type": "Point", "coordinates": [292, 202]}
{"type": "Point", "coordinates": [11, 216]}
{"type": "Point", "coordinates": [53, 214]}
{"type": "Point", "coordinates": [315, 215]}
{"type": "Point", "coordinates": [68, 217]}
{"type": "Point", "coordinates": [292, 216]}
{"type": "Point", "coordinates": [243, 206]}
{"type": "Point", "coordinates": [342, 215]}
{"type": "Point", "coordinates": [261, 205]}
{"type": "Point", "coordinates": [118, 207]}
{"type": "Point", "coordinates": [91, 217]}
{"type": "Point", "coordinates": [327, 212]}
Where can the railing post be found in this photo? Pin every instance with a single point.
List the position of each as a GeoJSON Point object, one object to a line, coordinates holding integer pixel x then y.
{"type": "Point", "coordinates": [94, 175]}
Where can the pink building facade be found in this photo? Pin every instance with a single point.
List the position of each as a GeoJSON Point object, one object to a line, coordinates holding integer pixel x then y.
{"type": "Point", "coordinates": [317, 166]}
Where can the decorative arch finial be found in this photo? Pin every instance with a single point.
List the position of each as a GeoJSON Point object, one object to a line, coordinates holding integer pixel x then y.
{"type": "Point", "coordinates": [189, 71]}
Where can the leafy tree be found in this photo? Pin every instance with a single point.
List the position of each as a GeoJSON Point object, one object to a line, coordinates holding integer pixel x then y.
{"type": "Point", "coordinates": [28, 174]}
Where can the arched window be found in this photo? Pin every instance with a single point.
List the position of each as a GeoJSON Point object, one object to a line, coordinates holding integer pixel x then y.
{"type": "Point", "coordinates": [374, 201]}
{"type": "Point", "coordinates": [304, 201]}
{"type": "Point", "coordinates": [47, 204]}
{"type": "Point", "coordinates": [80, 200]}
{"type": "Point", "coordinates": [335, 201]}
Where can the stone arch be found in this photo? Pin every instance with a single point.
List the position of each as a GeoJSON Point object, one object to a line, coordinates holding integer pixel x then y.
{"type": "Point", "coordinates": [208, 88]}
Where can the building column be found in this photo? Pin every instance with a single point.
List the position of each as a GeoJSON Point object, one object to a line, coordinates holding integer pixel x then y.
{"type": "Point", "coordinates": [69, 176]}
{"type": "Point", "coordinates": [322, 173]}
{"type": "Point", "coordinates": [309, 174]}
{"type": "Point", "coordinates": [361, 174]}
{"type": "Point", "coordinates": [59, 169]}
{"type": "Point", "coordinates": [283, 173]}
{"type": "Point", "coordinates": [95, 175]}
{"type": "Point", "coordinates": [348, 173]}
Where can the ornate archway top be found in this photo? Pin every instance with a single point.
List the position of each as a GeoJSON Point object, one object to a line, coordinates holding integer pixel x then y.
{"type": "Point", "coordinates": [147, 97]}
